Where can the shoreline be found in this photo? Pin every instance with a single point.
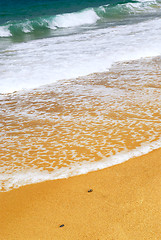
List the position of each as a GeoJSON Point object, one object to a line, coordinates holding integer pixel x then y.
{"type": "Point", "coordinates": [79, 169]}
{"type": "Point", "coordinates": [124, 204]}
{"type": "Point", "coordinates": [82, 126]}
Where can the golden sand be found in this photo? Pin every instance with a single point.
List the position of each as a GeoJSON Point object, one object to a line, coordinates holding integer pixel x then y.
{"type": "Point", "coordinates": [125, 204]}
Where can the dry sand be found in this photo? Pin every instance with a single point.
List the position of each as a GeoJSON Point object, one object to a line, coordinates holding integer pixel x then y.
{"type": "Point", "coordinates": [125, 205]}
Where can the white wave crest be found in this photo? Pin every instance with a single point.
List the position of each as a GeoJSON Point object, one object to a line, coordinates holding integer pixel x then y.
{"type": "Point", "coordinates": [27, 27]}
{"type": "Point", "coordinates": [4, 31]}
{"type": "Point", "coordinates": [87, 16]}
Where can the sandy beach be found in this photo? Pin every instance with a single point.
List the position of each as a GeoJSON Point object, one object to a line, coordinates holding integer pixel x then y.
{"type": "Point", "coordinates": [124, 205]}
{"type": "Point", "coordinates": [80, 120]}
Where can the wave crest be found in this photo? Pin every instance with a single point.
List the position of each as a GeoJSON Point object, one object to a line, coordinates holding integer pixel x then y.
{"type": "Point", "coordinates": [129, 8]}
{"type": "Point", "coordinates": [88, 16]}
{"type": "Point", "coordinates": [4, 31]}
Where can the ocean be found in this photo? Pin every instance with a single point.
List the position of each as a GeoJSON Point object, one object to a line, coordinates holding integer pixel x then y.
{"type": "Point", "coordinates": [80, 86]}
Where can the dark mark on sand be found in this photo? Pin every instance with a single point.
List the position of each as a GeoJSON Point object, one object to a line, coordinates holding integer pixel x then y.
{"type": "Point", "coordinates": [61, 225]}
{"type": "Point", "coordinates": [90, 190]}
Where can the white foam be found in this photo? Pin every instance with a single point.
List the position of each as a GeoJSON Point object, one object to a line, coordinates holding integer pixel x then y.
{"type": "Point", "coordinates": [27, 27]}
{"type": "Point", "coordinates": [87, 16]}
{"type": "Point", "coordinates": [4, 31]}
{"type": "Point", "coordinates": [16, 180]}
{"type": "Point", "coordinates": [40, 62]}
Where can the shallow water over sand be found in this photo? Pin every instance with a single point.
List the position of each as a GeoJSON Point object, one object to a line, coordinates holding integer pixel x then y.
{"type": "Point", "coordinates": [47, 131]}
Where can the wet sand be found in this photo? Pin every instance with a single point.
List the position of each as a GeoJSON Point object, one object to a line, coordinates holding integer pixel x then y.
{"type": "Point", "coordinates": [54, 130]}
{"type": "Point", "coordinates": [124, 205]}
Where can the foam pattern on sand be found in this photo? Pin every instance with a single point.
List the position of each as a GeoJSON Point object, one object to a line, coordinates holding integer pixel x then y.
{"type": "Point", "coordinates": [86, 124]}
{"type": "Point", "coordinates": [18, 179]}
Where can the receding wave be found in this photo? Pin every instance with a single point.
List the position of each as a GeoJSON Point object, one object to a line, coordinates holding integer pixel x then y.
{"type": "Point", "coordinates": [84, 17]}
{"type": "Point", "coordinates": [17, 179]}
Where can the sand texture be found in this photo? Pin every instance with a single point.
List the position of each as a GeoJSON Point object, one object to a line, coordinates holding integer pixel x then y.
{"type": "Point", "coordinates": [125, 204]}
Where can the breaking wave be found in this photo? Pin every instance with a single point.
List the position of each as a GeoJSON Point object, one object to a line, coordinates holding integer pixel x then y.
{"type": "Point", "coordinates": [87, 16]}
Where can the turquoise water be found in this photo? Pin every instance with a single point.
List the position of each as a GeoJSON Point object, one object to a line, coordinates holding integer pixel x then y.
{"type": "Point", "coordinates": [16, 9]}
{"type": "Point", "coordinates": [37, 16]}
{"type": "Point", "coordinates": [41, 18]}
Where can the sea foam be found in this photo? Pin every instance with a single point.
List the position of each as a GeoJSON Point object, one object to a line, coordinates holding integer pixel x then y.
{"type": "Point", "coordinates": [39, 62]}
{"type": "Point", "coordinates": [25, 177]}
{"type": "Point", "coordinates": [88, 16]}
{"type": "Point", "coordinates": [4, 31]}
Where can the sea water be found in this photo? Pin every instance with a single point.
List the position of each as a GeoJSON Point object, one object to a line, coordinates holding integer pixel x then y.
{"type": "Point", "coordinates": [79, 86]}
